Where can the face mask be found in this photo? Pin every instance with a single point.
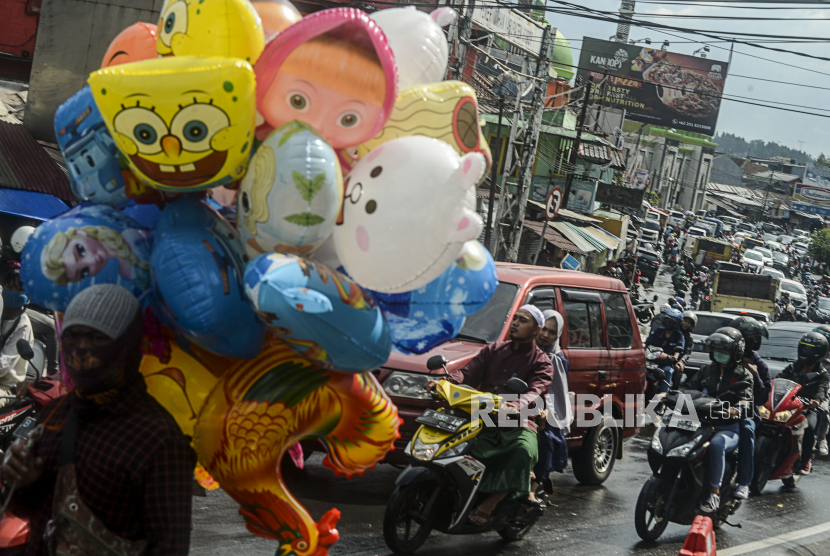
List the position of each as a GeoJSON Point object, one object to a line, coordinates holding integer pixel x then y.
{"type": "Point", "coordinates": [721, 357]}
{"type": "Point", "coordinates": [671, 324]}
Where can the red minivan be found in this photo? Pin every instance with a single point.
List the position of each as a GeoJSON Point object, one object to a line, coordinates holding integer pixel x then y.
{"type": "Point", "coordinates": [601, 341]}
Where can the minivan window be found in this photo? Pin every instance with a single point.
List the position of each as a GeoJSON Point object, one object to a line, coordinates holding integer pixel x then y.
{"type": "Point", "coordinates": [485, 326]}
{"type": "Point", "coordinates": [543, 297]}
{"type": "Point", "coordinates": [584, 323]}
{"type": "Point", "coordinates": [618, 319]}
{"type": "Point", "coordinates": [652, 226]}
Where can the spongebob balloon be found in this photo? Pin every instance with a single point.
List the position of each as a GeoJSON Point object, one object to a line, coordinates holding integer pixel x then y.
{"type": "Point", "coordinates": [409, 208]}
{"type": "Point", "coordinates": [223, 28]}
{"type": "Point", "coordinates": [184, 124]}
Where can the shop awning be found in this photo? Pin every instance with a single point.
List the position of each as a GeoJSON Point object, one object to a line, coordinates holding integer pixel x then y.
{"type": "Point", "coordinates": [31, 204]}
{"type": "Point", "coordinates": [574, 237]}
{"type": "Point", "coordinates": [595, 243]}
{"type": "Point", "coordinates": [808, 216]}
{"type": "Point", "coordinates": [553, 237]}
{"type": "Point", "coordinates": [610, 241]}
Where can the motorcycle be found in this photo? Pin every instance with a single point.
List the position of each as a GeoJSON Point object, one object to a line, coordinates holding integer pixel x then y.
{"type": "Point", "coordinates": [656, 359]}
{"type": "Point", "coordinates": [17, 420]}
{"type": "Point", "coordinates": [439, 487]}
{"type": "Point", "coordinates": [680, 465]}
{"type": "Point", "coordinates": [644, 310]}
{"type": "Point", "coordinates": [776, 449]}
{"type": "Point", "coordinates": [681, 284]}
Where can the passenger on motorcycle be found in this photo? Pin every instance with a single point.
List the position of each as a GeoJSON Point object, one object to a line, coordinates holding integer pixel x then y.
{"type": "Point", "coordinates": [752, 332]}
{"type": "Point", "coordinates": [824, 409]}
{"type": "Point", "coordinates": [812, 348]}
{"type": "Point", "coordinates": [669, 338]}
{"type": "Point", "coordinates": [726, 350]}
{"type": "Point", "coordinates": [510, 453]}
{"type": "Point", "coordinates": [15, 326]}
{"type": "Point", "coordinates": [660, 317]}
{"type": "Point", "coordinates": [686, 328]}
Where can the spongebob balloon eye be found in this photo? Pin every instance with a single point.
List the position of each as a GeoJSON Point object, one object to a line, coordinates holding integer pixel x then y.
{"type": "Point", "coordinates": [197, 124]}
{"type": "Point", "coordinates": [173, 21]}
{"type": "Point", "coordinates": [143, 127]}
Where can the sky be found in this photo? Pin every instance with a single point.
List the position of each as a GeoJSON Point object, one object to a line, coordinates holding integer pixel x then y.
{"type": "Point", "coordinates": [750, 122]}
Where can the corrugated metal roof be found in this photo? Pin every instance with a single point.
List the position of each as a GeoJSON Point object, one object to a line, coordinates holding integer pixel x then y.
{"type": "Point", "coordinates": [553, 236]}
{"type": "Point", "coordinates": [600, 235]}
{"type": "Point", "coordinates": [30, 204]}
{"type": "Point", "coordinates": [573, 236]}
{"type": "Point", "coordinates": [595, 242]}
{"type": "Point", "coordinates": [27, 166]}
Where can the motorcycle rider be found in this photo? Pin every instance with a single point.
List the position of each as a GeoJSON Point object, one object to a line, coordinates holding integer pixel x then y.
{"type": "Point", "coordinates": [788, 315]}
{"type": "Point", "coordinates": [752, 332]}
{"type": "Point", "coordinates": [812, 348]}
{"type": "Point", "coordinates": [660, 317]}
{"type": "Point", "coordinates": [726, 350]}
{"type": "Point", "coordinates": [670, 339]}
{"type": "Point", "coordinates": [824, 409]}
{"type": "Point", "coordinates": [686, 328]}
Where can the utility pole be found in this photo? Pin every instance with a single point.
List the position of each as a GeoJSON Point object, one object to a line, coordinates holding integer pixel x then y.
{"type": "Point", "coordinates": [496, 242]}
{"type": "Point", "coordinates": [462, 36]}
{"type": "Point", "coordinates": [575, 149]}
{"type": "Point", "coordinates": [601, 97]}
{"type": "Point", "coordinates": [497, 158]}
{"type": "Point", "coordinates": [537, 106]}
{"type": "Point", "coordinates": [545, 225]}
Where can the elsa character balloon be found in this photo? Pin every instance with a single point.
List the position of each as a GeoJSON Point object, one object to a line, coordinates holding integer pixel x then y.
{"type": "Point", "coordinates": [77, 253]}
{"type": "Point", "coordinates": [332, 70]}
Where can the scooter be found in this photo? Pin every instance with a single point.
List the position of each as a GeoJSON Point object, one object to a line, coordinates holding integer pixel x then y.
{"type": "Point", "coordinates": [656, 359]}
{"type": "Point", "coordinates": [776, 448]}
{"type": "Point", "coordinates": [644, 310]}
{"type": "Point", "coordinates": [678, 457]}
{"type": "Point", "coordinates": [681, 284]}
{"type": "Point", "coordinates": [439, 487]}
{"type": "Point", "coordinates": [17, 420]}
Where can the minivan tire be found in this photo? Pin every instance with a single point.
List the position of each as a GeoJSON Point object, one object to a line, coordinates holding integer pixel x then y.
{"type": "Point", "coordinates": [594, 461]}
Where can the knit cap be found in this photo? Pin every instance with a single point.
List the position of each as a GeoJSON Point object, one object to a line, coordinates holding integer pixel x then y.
{"type": "Point", "coordinates": [107, 308]}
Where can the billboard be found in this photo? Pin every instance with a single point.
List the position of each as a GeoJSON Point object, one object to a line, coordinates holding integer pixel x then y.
{"type": "Point", "coordinates": [655, 86]}
{"type": "Point", "coordinates": [818, 174]}
{"type": "Point", "coordinates": [810, 198]}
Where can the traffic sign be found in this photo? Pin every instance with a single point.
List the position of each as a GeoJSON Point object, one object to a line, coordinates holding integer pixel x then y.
{"type": "Point", "coordinates": [553, 204]}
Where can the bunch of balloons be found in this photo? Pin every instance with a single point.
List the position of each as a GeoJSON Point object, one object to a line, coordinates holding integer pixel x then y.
{"type": "Point", "coordinates": [291, 198]}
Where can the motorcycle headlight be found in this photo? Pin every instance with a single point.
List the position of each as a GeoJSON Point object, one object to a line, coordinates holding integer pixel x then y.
{"type": "Point", "coordinates": [454, 451]}
{"type": "Point", "coordinates": [423, 451]}
{"type": "Point", "coordinates": [407, 385]}
{"type": "Point", "coordinates": [683, 450]}
{"type": "Point", "coordinates": [656, 445]}
{"type": "Point", "coordinates": [784, 416]}
{"type": "Point", "coordinates": [764, 412]}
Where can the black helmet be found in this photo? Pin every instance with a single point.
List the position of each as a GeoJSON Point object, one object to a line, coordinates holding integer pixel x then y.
{"type": "Point", "coordinates": [751, 330]}
{"type": "Point", "coordinates": [726, 346]}
{"type": "Point", "coordinates": [812, 348]}
{"type": "Point", "coordinates": [823, 329]}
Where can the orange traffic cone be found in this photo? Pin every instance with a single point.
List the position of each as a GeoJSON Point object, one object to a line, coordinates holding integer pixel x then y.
{"type": "Point", "coordinates": [701, 539]}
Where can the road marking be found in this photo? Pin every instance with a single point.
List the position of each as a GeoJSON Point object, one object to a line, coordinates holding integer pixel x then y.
{"type": "Point", "coordinates": [775, 541]}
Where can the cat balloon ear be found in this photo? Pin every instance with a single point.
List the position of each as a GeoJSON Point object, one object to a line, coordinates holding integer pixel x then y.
{"type": "Point", "coordinates": [467, 224]}
{"type": "Point", "coordinates": [443, 16]}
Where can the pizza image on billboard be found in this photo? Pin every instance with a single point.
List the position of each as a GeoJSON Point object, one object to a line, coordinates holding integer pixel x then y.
{"type": "Point", "coordinates": [656, 86]}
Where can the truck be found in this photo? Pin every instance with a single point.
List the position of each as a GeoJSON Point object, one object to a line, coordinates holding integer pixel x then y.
{"type": "Point", "coordinates": [708, 250]}
{"type": "Point", "coordinates": [742, 290]}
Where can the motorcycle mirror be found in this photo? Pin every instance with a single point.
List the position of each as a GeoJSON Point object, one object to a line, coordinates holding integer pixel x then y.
{"type": "Point", "coordinates": [436, 362]}
{"type": "Point", "coordinates": [24, 349]}
{"type": "Point", "coordinates": [740, 386]}
{"type": "Point", "coordinates": [516, 385]}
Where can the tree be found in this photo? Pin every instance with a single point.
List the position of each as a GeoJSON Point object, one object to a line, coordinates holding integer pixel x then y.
{"type": "Point", "coordinates": [820, 248]}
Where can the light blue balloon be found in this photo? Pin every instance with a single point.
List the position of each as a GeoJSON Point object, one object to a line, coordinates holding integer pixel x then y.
{"type": "Point", "coordinates": [415, 336]}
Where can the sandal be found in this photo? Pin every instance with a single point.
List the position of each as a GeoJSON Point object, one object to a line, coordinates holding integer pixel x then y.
{"type": "Point", "coordinates": [479, 514]}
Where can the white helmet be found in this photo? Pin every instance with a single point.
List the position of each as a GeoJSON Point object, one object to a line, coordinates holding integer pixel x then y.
{"type": "Point", "coordinates": [20, 237]}
{"type": "Point", "coordinates": [790, 308]}
{"type": "Point", "coordinates": [664, 307]}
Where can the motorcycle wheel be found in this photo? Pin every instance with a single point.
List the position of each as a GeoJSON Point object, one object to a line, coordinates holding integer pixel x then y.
{"type": "Point", "coordinates": [517, 532]}
{"type": "Point", "coordinates": [594, 461]}
{"type": "Point", "coordinates": [404, 506]}
{"type": "Point", "coordinates": [648, 520]}
{"type": "Point", "coordinates": [789, 482]}
{"type": "Point", "coordinates": [760, 480]}
{"type": "Point", "coordinates": [644, 319]}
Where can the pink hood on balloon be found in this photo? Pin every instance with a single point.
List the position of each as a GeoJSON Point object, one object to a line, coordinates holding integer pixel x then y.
{"type": "Point", "coordinates": [346, 24]}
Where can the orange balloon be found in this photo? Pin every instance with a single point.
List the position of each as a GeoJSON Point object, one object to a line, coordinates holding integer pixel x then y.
{"type": "Point", "coordinates": [136, 42]}
{"type": "Point", "coordinates": [276, 15]}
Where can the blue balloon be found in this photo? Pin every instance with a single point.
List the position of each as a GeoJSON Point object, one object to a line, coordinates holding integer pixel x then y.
{"type": "Point", "coordinates": [146, 215]}
{"type": "Point", "coordinates": [415, 336]}
{"type": "Point", "coordinates": [90, 244]}
{"type": "Point", "coordinates": [89, 150]}
{"type": "Point", "coordinates": [197, 264]}
{"type": "Point", "coordinates": [464, 288]}
{"type": "Point", "coordinates": [319, 313]}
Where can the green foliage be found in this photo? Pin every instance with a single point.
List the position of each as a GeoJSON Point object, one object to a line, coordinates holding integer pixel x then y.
{"type": "Point", "coordinates": [652, 197]}
{"type": "Point", "coordinates": [738, 146]}
{"type": "Point", "coordinates": [308, 188]}
{"type": "Point", "coordinates": [305, 219]}
{"type": "Point", "coordinates": [820, 248]}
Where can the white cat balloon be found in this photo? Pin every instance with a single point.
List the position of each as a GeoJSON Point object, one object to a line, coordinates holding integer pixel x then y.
{"type": "Point", "coordinates": [409, 208]}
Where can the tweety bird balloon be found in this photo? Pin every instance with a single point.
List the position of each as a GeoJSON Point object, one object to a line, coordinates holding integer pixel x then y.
{"type": "Point", "coordinates": [224, 28]}
{"type": "Point", "coordinates": [184, 124]}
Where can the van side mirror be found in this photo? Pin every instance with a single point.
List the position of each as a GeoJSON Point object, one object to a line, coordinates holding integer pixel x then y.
{"type": "Point", "coordinates": [436, 362]}
{"type": "Point", "coordinates": [24, 349]}
{"type": "Point", "coordinates": [516, 385]}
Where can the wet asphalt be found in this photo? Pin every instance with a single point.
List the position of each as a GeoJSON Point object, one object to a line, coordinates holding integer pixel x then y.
{"type": "Point", "coordinates": [579, 520]}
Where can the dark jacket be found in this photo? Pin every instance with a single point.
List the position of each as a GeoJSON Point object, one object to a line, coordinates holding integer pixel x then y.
{"type": "Point", "coordinates": [816, 391]}
{"type": "Point", "coordinates": [688, 346]}
{"type": "Point", "coordinates": [711, 380]}
{"type": "Point", "coordinates": [762, 382]}
{"type": "Point", "coordinates": [671, 345]}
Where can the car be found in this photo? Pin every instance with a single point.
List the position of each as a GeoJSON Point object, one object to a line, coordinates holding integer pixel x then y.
{"type": "Point", "coordinates": [773, 272]}
{"type": "Point", "coordinates": [801, 233]}
{"type": "Point", "coordinates": [676, 218]}
{"type": "Point", "coordinates": [648, 263]}
{"type": "Point", "coordinates": [819, 311]}
{"type": "Point", "coordinates": [732, 221]}
{"type": "Point", "coordinates": [731, 267]}
{"type": "Point", "coordinates": [760, 316]}
{"type": "Point", "coordinates": [780, 260]}
{"type": "Point", "coordinates": [766, 253]}
{"type": "Point", "coordinates": [652, 216]}
{"type": "Point", "coordinates": [601, 340]}
{"type": "Point", "coordinates": [746, 227]}
{"type": "Point", "coordinates": [753, 260]}
{"type": "Point", "coordinates": [769, 237]}
{"type": "Point", "coordinates": [798, 248]}
{"type": "Point", "coordinates": [772, 228]}
{"type": "Point", "coordinates": [781, 348]}
{"type": "Point", "coordinates": [774, 246]}
{"type": "Point", "coordinates": [650, 231]}
{"type": "Point", "coordinates": [707, 323]}
{"type": "Point", "coordinates": [785, 240]}
{"type": "Point", "coordinates": [797, 293]}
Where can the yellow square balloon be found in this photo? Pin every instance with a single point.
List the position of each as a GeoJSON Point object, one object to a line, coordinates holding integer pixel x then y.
{"type": "Point", "coordinates": [184, 124]}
